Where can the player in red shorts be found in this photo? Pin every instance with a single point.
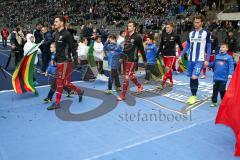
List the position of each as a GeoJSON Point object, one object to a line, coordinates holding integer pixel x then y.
{"type": "Point", "coordinates": [167, 48]}
{"type": "Point", "coordinates": [133, 42]}
{"type": "Point", "coordinates": [64, 46]}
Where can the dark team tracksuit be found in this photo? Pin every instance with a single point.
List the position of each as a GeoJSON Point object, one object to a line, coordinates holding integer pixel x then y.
{"type": "Point", "coordinates": [132, 44]}
{"type": "Point", "coordinates": [168, 49]}
{"type": "Point", "coordinates": [64, 46]}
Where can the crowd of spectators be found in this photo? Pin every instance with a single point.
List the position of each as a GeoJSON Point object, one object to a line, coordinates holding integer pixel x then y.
{"type": "Point", "coordinates": [152, 12]}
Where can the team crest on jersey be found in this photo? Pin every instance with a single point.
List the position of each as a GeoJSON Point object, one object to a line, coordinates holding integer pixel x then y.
{"type": "Point", "coordinates": [220, 63]}
{"type": "Point", "coordinates": [196, 39]}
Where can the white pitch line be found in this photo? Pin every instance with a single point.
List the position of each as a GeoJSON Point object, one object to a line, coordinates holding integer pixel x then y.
{"type": "Point", "coordinates": [4, 54]}
{"type": "Point", "coordinates": [146, 141]}
{"type": "Point", "coordinates": [7, 72]}
{"type": "Point", "coordinates": [155, 103]}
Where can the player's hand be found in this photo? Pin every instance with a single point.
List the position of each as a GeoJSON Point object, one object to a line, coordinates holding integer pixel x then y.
{"type": "Point", "coordinates": [180, 61]}
{"type": "Point", "coordinates": [121, 60]}
{"type": "Point", "coordinates": [13, 46]}
{"type": "Point", "coordinates": [145, 64]}
{"type": "Point", "coordinates": [46, 74]}
{"type": "Point", "coordinates": [206, 63]}
{"type": "Point", "coordinates": [229, 76]}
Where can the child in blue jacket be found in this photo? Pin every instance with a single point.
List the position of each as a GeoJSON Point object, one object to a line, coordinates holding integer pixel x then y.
{"type": "Point", "coordinates": [223, 67]}
{"type": "Point", "coordinates": [113, 52]}
{"type": "Point", "coordinates": [151, 55]}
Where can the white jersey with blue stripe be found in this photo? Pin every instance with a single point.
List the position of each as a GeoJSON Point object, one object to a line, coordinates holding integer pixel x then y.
{"type": "Point", "coordinates": [198, 45]}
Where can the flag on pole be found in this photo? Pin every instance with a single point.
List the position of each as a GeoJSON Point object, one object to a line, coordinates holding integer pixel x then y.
{"type": "Point", "coordinates": [91, 60]}
{"type": "Point", "coordinates": [160, 66]}
{"type": "Point", "coordinates": [22, 79]}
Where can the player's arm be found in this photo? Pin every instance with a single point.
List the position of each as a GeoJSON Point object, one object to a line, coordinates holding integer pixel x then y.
{"type": "Point", "coordinates": [140, 46]}
{"type": "Point", "coordinates": [105, 47]}
{"type": "Point", "coordinates": [178, 41]}
{"type": "Point", "coordinates": [161, 45]}
{"type": "Point", "coordinates": [209, 46]}
{"type": "Point", "coordinates": [186, 48]}
{"type": "Point", "coordinates": [211, 65]}
{"type": "Point", "coordinates": [69, 41]}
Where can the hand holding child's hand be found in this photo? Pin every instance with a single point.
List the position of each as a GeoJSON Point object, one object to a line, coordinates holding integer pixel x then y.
{"type": "Point", "coordinates": [46, 74]}
{"type": "Point", "coordinates": [206, 63]}
{"type": "Point", "coordinates": [145, 64]}
{"type": "Point", "coordinates": [52, 63]}
{"type": "Point", "coordinates": [229, 76]}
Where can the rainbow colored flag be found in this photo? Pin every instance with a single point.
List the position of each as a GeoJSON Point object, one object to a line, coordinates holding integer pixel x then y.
{"type": "Point", "coordinates": [182, 64]}
{"type": "Point", "coordinates": [22, 79]}
{"type": "Point", "coordinates": [160, 66]}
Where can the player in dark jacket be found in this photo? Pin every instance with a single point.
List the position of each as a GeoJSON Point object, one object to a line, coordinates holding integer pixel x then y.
{"type": "Point", "coordinates": [167, 48]}
{"type": "Point", "coordinates": [64, 46]}
{"type": "Point", "coordinates": [133, 43]}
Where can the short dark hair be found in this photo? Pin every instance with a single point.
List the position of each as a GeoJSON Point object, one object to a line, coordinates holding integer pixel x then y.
{"type": "Point", "coordinates": [133, 22]}
{"type": "Point", "coordinates": [38, 24]}
{"type": "Point", "coordinates": [150, 36]}
{"type": "Point", "coordinates": [83, 39]}
{"type": "Point", "coordinates": [112, 36]}
{"type": "Point", "coordinates": [170, 24]}
{"type": "Point", "coordinates": [53, 43]}
{"type": "Point", "coordinates": [97, 37]}
{"type": "Point", "coordinates": [89, 22]}
{"type": "Point", "coordinates": [61, 18]}
{"type": "Point", "coordinates": [224, 44]}
{"type": "Point", "coordinates": [121, 32]}
{"type": "Point", "coordinates": [199, 16]}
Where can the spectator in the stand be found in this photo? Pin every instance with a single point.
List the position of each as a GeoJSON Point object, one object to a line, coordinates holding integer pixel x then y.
{"type": "Point", "coordinates": [238, 2]}
{"type": "Point", "coordinates": [53, 31]}
{"type": "Point", "coordinates": [46, 53]}
{"type": "Point", "coordinates": [37, 33]}
{"type": "Point", "coordinates": [17, 42]}
{"type": "Point", "coordinates": [83, 57]}
{"type": "Point", "coordinates": [121, 38]}
{"type": "Point", "coordinates": [88, 31]}
{"type": "Point", "coordinates": [104, 34]}
{"type": "Point", "coordinates": [120, 42]}
{"type": "Point", "coordinates": [232, 43]}
{"type": "Point", "coordinates": [28, 45]}
{"type": "Point", "coordinates": [98, 54]}
{"type": "Point", "coordinates": [70, 29]}
{"type": "Point", "coordinates": [210, 3]}
{"type": "Point", "coordinates": [4, 34]}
